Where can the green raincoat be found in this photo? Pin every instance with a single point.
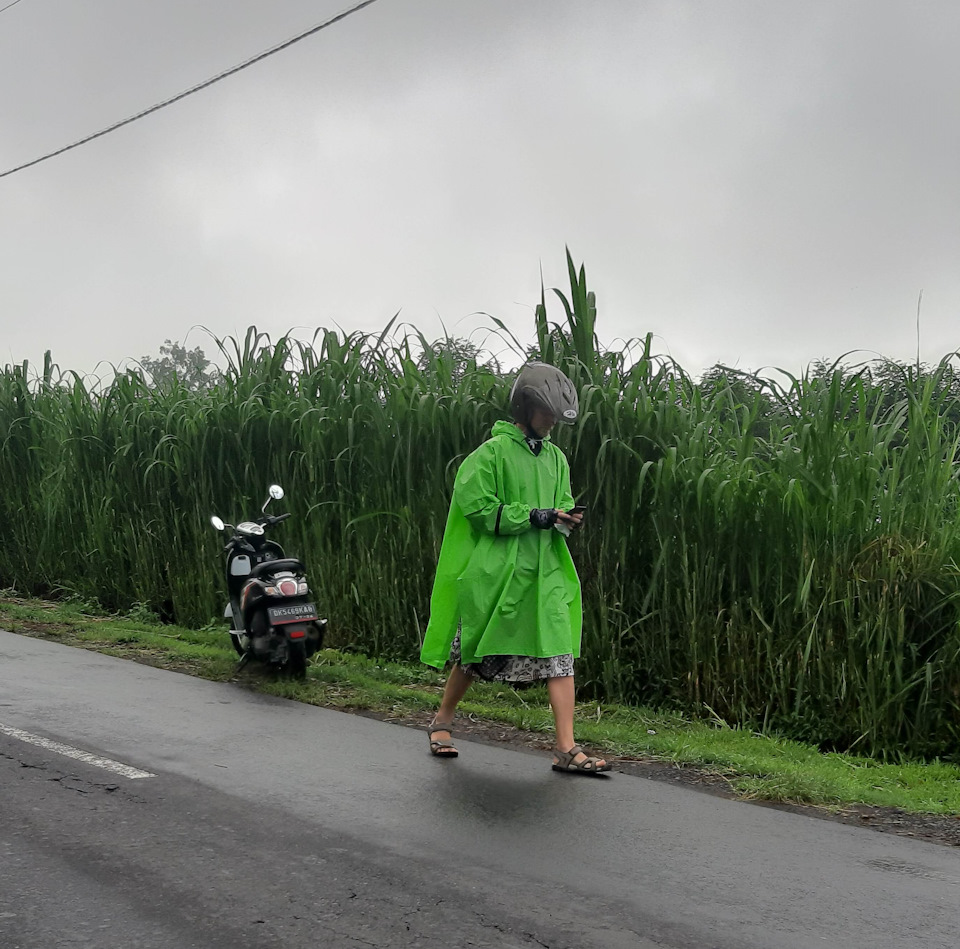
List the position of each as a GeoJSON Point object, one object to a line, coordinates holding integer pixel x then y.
{"type": "Point", "coordinates": [512, 587]}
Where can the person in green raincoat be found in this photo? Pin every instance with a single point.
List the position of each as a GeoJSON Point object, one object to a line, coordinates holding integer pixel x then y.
{"type": "Point", "coordinates": [506, 599]}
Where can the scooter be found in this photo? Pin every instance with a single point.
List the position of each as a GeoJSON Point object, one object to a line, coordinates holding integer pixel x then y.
{"type": "Point", "coordinates": [272, 617]}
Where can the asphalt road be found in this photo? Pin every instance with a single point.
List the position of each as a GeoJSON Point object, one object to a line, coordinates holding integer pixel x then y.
{"type": "Point", "coordinates": [268, 823]}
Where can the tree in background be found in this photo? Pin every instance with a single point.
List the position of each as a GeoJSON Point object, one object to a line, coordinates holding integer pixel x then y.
{"type": "Point", "coordinates": [176, 363]}
{"type": "Point", "coordinates": [457, 356]}
{"type": "Point", "coordinates": [743, 395]}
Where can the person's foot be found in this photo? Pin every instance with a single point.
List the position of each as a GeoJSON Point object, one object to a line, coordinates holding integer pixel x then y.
{"type": "Point", "coordinates": [575, 759]}
{"type": "Point", "coordinates": [441, 740]}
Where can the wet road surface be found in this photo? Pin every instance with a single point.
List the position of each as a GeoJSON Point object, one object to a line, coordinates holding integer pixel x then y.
{"type": "Point", "coordinates": [269, 823]}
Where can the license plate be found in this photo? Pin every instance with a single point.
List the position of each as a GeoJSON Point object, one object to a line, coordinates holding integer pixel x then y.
{"type": "Point", "coordinates": [294, 613]}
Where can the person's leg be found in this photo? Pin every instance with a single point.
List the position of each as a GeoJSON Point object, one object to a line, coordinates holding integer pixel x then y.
{"type": "Point", "coordinates": [562, 700]}
{"type": "Point", "coordinates": [456, 688]}
{"type": "Point", "coordinates": [457, 684]}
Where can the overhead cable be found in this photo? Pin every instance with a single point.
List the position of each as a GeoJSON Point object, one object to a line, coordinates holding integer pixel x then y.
{"type": "Point", "coordinates": [7, 7]}
{"type": "Point", "coordinates": [193, 89]}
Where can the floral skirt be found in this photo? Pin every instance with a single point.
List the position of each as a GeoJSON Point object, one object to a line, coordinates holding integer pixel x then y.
{"type": "Point", "coordinates": [514, 668]}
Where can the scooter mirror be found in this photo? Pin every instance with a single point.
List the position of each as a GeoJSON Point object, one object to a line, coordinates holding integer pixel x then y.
{"type": "Point", "coordinates": [217, 523]}
{"type": "Point", "coordinates": [276, 492]}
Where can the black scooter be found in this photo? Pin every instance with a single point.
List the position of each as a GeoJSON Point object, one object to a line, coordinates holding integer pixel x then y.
{"type": "Point", "coordinates": [272, 617]}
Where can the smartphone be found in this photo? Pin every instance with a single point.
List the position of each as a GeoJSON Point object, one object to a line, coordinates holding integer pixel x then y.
{"type": "Point", "coordinates": [577, 509]}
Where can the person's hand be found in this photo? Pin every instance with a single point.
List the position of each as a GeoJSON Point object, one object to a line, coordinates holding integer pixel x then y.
{"type": "Point", "coordinates": [543, 518]}
{"type": "Point", "coordinates": [572, 520]}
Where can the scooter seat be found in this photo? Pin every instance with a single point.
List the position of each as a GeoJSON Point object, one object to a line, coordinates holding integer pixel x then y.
{"type": "Point", "coordinates": [274, 566]}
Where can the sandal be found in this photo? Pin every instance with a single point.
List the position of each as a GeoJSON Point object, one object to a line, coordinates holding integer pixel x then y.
{"type": "Point", "coordinates": [589, 765]}
{"type": "Point", "coordinates": [441, 749]}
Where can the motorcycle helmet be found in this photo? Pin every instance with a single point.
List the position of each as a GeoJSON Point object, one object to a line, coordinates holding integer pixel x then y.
{"type": "Point", "coordinates": [546, 387]}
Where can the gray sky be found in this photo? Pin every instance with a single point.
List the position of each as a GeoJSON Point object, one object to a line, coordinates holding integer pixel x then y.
{"type": "Point", "coordinates": [757, 183]}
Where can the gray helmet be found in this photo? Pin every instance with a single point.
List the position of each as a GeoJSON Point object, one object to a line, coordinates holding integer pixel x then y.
{"type": "Point", "coordinates": [545, 387]}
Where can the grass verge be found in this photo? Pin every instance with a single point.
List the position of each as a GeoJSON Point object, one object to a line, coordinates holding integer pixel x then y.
{"type": "Point", "coordinates": [759, 767]}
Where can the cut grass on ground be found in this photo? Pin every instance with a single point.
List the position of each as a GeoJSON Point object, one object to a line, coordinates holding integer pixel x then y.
{"type": "Point", "coordinates": [755, 766]}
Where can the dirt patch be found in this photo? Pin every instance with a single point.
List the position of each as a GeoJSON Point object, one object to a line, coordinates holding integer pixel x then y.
{"type": "Point", "coordinates": [26, 627]}
{"type": "Point", "coordinates": [893, 820]}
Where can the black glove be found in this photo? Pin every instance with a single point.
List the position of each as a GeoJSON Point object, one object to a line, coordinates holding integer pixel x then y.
{"type": "Point", "coordinates": [543, 518]}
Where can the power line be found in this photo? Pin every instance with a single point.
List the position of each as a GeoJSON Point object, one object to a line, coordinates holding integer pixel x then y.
{"type": "Point", "coordinates": [7, 7]}
{"type": "Point", "coordinates": [192, 89]}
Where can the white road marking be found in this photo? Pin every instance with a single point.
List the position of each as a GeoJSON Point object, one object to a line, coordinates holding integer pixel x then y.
{"type": "Point", "coordinates": [108, 764]}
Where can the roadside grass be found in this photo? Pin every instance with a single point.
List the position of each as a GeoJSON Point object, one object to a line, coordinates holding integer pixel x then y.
{"type": "Point", "coordinates": [759, 767]}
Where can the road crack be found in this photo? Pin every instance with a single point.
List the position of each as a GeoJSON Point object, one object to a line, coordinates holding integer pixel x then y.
{"type": "Point", "coordinates": [504, 931]}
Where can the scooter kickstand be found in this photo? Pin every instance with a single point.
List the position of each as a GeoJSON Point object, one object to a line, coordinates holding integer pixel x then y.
{"type": "Point", "coordinates": [244, 659]}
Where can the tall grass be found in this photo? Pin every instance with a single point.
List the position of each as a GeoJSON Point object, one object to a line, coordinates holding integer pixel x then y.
{"type": "Point", "coordinates": [782, 555]}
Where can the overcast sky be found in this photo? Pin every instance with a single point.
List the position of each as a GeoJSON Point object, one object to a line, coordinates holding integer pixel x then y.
{"type": "Point", "coordinates": [757, 183]}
